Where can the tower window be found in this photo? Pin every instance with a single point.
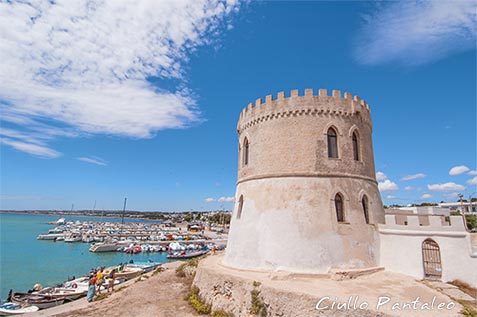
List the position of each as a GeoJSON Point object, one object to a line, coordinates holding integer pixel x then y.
{"type": "Point", "coordinates": [332, 143]}
{"type": "Point", "coordinates": [355, 146]}
{"type": "Point", "coordinates": [240, 206]}
{"type": "Point", "coordinates": [364, 202]}
{"type": "Point", "coordinates": [245, 151]}
{"type": "Point", "coordinates": [339, 208]}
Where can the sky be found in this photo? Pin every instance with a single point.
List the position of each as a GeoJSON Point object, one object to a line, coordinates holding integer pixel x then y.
{"type": "Point", "coordinates": [140, 99]}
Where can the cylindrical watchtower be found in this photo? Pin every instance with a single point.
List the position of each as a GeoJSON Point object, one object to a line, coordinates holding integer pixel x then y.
{"type": "Point", "coordinates": [307, 199]}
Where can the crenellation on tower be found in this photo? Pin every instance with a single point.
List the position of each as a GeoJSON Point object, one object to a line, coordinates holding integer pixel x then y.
{"type": "Point", "coordinates": [290, 178]}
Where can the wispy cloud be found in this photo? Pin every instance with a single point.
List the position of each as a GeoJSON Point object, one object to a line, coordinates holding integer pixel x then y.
{"type": "Point", "coordinates": [414, 176]}
{"type": "Point", "coordinates": [416, 31]}
{"type": "Point", "coordinates": [226, 199]}
{"type": "Point", "coordinates": [93, 160]}
{"type": "Point", "coordinates": [426, 196]}
{"type": "Point", "coordinates": [472, 181]}
{"type": "Point", "coordinates": [457, 170]}
{"type": "Point", "coordinates": [87, 66]}
{"type": "Point", "coordinates": [380, 176]}
{"type": "Point", "coordinates": [220, 200]}
{"type": "Point", "coordinates": [474, 172]}
{"type": "Point", "coordinates": [445, 187]}
{"type": "Point", "coordinates": [31, 148]}
{"type": "Point", "coordinates": [387, 186]}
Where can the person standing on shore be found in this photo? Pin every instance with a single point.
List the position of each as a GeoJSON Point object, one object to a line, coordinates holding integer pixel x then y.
{"type": "Point", "coordinates": [99, 280]}
{"type": "Point", "coordinates": [111, 276]}
{"type": "Point", "coordinates": [91, 287]}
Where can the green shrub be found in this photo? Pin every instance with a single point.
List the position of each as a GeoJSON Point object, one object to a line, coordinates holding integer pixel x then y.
{"type": "Point", "coordinates": [221, 313]}
{"type": "Point", "coordinates": [197, 302]}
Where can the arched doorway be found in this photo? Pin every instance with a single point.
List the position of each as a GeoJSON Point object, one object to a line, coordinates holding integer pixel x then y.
{"type": "Point", "coordinates": [431, 257]}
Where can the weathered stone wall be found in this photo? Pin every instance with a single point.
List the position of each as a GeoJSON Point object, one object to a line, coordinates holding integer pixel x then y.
{"type": "Point", "coordinates": [288, 218]}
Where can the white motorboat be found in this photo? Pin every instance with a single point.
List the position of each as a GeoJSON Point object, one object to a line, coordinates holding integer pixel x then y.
{"type": "Point", "coordinates": [9, 309]}
{"type": "Point", "coordinates": [49, 236]}
{"type": "Point", "coordinates": [103, 247]}
{"type": "Point", "coordinates": [74, 237]}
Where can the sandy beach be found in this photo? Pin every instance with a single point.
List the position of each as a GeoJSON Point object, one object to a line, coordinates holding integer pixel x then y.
{"type": "Point", "coordinates": [161, 295]}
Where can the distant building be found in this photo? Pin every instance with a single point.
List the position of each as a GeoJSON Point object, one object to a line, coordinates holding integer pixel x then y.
{"type": "Point", "coordinates": [469, 207]}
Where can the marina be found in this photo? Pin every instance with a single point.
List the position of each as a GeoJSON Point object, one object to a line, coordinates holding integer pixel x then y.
{"type": "Point", "coordinates": [54, 262]}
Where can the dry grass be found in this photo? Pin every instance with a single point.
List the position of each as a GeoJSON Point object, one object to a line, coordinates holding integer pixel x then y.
{"type": "Point", "coordinates": [466, 288]}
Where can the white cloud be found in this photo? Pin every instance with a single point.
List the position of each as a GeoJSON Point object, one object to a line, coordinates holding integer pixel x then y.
{"type": "Point", "coordinates": [474, 172]}
{"type": "Point", "coordinates": [457, 170]}
{"type": "Point", "coordinates": [387, 186]}
{"type": "Point", "coordinates": [31, 148]}
{"type": "Point", "coordinates": [93, 160]}
{"type": "Point", "coordinates": [426, 196]}
{"type": "Point", "coordinates": [390, 197]}
{"type": "Point", "coordinates": [220, 200]}
{"type": "Point", "coordinates": [414, 176]}
{"type": "Point", "coordinates": [408, 188]}
{"type": "Point", "coordinates": [472, 181]}
{"type": "Point", "coordinates": [416, 31]}
{"type": "Point", "coordinates": [86, 66]}
{"type": "Point", "coordinates": [380, 176]}
{"type": "Point", "coordinates": [446, 187]}
{"type": "Point", "coordinates": [226, 199]}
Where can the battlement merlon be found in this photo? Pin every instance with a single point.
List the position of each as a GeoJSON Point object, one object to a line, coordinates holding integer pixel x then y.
{"type": "Point", "coordinates": [336, 103]}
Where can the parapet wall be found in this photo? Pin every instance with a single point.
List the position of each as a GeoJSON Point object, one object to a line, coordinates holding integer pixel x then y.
{"type": "Point", "coordinates": [423, 224]}
{"type": "Point", "coordinates": [297, 104]}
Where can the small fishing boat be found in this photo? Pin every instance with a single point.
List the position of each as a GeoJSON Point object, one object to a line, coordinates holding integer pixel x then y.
{"type": "Point", "coordinates": [184, 255]}
{"type": "Point", "coordinates": [103, 247]}
{"type": "Point", "coordinates": [9, 309]}
{"type": "Point", "coordinates": [40, 301]}
{"type": "Point", "coordinates": [126, 273]}
{"type": "Point", "coordinates": [68, 293]}
{"type": "Point", "coordinates": [74, 237]}
{"type": "Point", "coordinates": [147, 266]}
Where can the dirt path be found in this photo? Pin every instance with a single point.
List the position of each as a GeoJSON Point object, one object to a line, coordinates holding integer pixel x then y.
{"type": "Point", "coordinates": [161, 295]}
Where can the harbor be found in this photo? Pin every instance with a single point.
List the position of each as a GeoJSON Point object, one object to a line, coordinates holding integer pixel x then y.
{"type": "Point", "coordinates": [54, 262]}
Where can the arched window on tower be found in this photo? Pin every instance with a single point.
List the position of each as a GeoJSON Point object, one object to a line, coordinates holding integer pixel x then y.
{"type": "Point", "coordinates": [240, 206]}
{"type": "Point", "coordinates": [364, 202]}
{"type": "Point", "coordinates": [332, 143]}
{"type": "Point", "coordinates": [245, 151]}
{"type": "Point", "coordinates": [355, 146]}
{"type": "Point", "coordinates": [339, 208]}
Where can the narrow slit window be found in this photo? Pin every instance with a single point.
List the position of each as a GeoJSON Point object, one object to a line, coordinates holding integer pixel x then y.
{"type": "Point", "coordinates": [339, 208]}
{"type": "Point", "coordinates": [240, 206]}
{"type": "Point", "coordinates": [245, 151]}
{"type": "Point", "coordinates": [332, 143]}
{"type": "Point", "coordinates": [355, 146]}
{"type": "Point", "coordinates": [364, 202]}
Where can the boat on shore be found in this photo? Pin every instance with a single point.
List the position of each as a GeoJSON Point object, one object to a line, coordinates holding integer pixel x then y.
{"type": "Point", "coordinates": [184, 255]}
{"type": "Point", "coordinates": [40, 301]}
{"type": "Point", "coordinates": [10, 309]}
{"type": "Point", "coordinates": [147, 266]}
{"type": "Point", "coordinates": [67, 293]}
{"type": "Point", "coordinates": [124, 272]}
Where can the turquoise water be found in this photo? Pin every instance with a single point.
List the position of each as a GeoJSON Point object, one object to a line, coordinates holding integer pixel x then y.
{"type": "Point", "coordinates": [25, 261]}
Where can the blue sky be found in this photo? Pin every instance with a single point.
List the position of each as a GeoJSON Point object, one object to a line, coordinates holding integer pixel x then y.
{"type": "Point", "coordinates": [141, 100]}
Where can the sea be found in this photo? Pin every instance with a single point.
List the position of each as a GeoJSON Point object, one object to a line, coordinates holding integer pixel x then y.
{"type": "Point", "coordinates": [25, 261]}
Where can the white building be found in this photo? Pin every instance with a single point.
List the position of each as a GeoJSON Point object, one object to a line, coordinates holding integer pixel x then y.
{"type": "Point", "coordinates": [458, 206]}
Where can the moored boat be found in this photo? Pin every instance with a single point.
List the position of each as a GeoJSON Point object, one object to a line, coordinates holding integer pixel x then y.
{"type": "Point", "coordinates": [10, 309]}
{"type": "Point", "coordinates": [49, 236]}
{"type": "Point", "coordinates": [146, 266]}
{"type": "Point", "coordinates": [103, 247]}
{"type": "Point", "coordinates": [125, 272]}
{"type": "Point", "coordinates": [40, 301]}
{"type": "Point", "coordinates": [185, 255]}
{"type": "Point", "coordinates": [72, 293]}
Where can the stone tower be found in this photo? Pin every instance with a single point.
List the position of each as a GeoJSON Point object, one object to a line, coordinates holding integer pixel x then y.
{"type": "Point", "coordinates": [307, 199]}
